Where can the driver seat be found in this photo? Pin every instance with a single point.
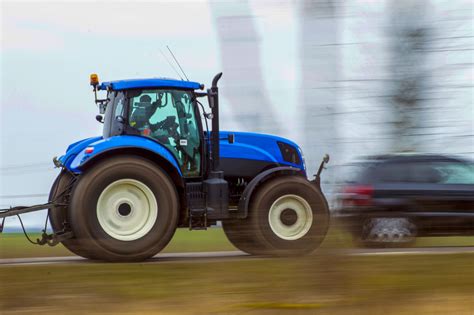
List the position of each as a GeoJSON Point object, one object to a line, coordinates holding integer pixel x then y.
{"type": "Point", "coordinates": [139, 117]}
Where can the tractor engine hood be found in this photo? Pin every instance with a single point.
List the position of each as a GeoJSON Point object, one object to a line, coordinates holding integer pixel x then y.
{"type": "Point", "coordinates": [261, 147]}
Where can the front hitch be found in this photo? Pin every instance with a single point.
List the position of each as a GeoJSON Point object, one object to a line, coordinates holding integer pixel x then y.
{"type": "Point", "coordinates": [317, 177]}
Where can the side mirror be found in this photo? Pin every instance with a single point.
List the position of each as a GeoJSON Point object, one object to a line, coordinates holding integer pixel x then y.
{"type": "Point", "coordinates": [231, 138]}
{"type": "Point", "coordinates": [99, 118]}
{"type": "Point", "coordinates": [102, 107]}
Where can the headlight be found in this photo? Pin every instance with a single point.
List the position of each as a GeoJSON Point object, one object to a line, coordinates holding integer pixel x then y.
{"type": "Point", "coordinates": [289, 153]}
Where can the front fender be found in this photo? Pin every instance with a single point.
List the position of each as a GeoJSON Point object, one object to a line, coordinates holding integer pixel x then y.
{"type": "Point", "coordinates": [121, 142]}
{"type": "Point", "coordinates": [244, 200]}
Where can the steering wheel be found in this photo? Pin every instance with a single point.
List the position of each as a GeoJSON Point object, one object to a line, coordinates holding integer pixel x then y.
{"type": "Point", "coordinates": [169, 125]}
{"type": "Point", "coordinates": [166, 124]}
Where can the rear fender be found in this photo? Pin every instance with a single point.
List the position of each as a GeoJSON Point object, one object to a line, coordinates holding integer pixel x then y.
{"type": "Point", "coordinates": [119, 145]}
{"type": "Point", "coordinates": [244, 201]}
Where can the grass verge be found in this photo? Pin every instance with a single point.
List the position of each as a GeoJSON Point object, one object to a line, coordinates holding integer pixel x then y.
{"type": "Point", "coordinates": [15, 245]}
{"type": "Point", "coordinates": [323, 284]}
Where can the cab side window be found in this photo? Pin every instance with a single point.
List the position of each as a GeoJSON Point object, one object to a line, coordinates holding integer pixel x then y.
{"type": "Point", "coordinates": [118, 110]}
{"type": "Point", "coordinates": [168, 117]}
{"type": "Point", "coordinates": [119, 107]}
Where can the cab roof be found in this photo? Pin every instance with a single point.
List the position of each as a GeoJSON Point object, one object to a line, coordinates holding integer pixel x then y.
{"type": "Point", "coordinates": [149, 83]}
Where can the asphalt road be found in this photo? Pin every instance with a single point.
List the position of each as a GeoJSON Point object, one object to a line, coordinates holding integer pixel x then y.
{"type": "Point", "coordinates": [202, 257]}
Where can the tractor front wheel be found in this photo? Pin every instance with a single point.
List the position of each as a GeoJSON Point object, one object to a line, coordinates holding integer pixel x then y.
{"type": "Point", "coordinates": [242, 236]}
{"type": "Point", "coordinates": [289, 216]}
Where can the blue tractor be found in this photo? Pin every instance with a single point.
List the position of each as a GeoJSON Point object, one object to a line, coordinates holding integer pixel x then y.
{"type": "Point", "coordinates": [157, 167]}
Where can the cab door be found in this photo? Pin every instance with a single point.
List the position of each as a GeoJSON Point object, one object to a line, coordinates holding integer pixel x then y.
{"type": "Point", "coordinates": [169, 117]}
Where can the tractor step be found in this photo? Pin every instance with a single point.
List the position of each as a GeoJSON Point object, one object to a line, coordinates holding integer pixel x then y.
{"type": "Point", "coordinates": [198, 219]}
{"type": "Point", "coordinates": [197, 206]}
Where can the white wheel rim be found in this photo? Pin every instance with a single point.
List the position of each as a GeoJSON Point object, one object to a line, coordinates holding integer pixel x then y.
{"type": "Point", "coordinates": [127, 209]}
{"type": "Point", "coordinates": [301, 213]}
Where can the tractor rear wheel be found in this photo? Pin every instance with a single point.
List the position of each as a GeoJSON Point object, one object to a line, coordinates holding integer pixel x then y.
{"type": "Point", "coordinates": [124, 209]}
{"type": "Point", "coordinates": [58, 215]}
{"type": "Point", "coordinates": [289, 216]}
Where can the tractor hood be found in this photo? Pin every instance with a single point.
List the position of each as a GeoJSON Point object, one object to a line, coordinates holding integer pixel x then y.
{"type": "Point", "coordinates": [261, 147]}
{"type": "Point", "coordinates": [261, 150]}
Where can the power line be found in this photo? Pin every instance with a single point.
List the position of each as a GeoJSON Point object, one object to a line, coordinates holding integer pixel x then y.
{"type": "Point", "coordinates": [26, 171]}
{"type": "Point", "coordinates": [26, 168]}
{"type": "Point", "coordinates": [17, 166]}
{"type": "Point", "coordinates": [23, 196]}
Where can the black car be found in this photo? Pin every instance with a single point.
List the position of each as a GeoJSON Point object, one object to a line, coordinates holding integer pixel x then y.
{"type": "Point", "coordinates": [394, 198]}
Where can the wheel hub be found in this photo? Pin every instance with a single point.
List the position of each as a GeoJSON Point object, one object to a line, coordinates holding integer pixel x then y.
{"type": "Point", "coordinates": [127, 209]}
{"type": "Point", "coordinates": [124, 209]}
{"type": "Point", "coordinates": [290, 217]}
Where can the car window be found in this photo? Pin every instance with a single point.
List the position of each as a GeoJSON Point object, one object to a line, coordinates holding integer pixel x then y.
{"type": "Point", "coordinates": [394, 172]}
{"type": "Point", "coordinates": [455, 173]}
{"type": "Point", "coordinates": [439, 172]}
{"type": "Point", "coordinates": [355, 172]}
{"type": "Point", "coordinates": [408, 172]}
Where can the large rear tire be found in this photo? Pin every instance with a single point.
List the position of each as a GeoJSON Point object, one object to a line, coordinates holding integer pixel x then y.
{"type": "Point", "coordinates": [58, 215]}
{"type": "Point", "coordinates": [124, 209]}
{"type": "Point", "coordinates": [289, 216]}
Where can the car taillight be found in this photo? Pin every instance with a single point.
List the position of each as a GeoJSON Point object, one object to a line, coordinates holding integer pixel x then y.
{"type": "Point", "coordinates": [358, 195]}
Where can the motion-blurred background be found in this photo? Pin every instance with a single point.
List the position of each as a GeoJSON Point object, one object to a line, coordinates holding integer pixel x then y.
{"type": "Point", "coordinates": [348, 78]}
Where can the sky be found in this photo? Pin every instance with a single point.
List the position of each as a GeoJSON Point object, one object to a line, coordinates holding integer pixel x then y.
{"type": "Point", "coordinates": [49, 49]}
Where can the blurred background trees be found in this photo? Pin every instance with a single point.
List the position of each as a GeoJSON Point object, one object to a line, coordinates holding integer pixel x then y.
{"type": "Point", "coordinates": [431, 47]}
{"type": "Point", "coordinates": [372, 78]}
{"type": "Point", "coordinates": [408, 76]}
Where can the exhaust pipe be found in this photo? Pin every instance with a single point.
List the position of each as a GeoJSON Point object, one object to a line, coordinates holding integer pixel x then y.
{"type": "Point", "coordinates": [213, 98]}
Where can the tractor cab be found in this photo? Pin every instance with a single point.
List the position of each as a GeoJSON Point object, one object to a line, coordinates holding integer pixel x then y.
{"type": "Point", "coordinates": [163, 110]}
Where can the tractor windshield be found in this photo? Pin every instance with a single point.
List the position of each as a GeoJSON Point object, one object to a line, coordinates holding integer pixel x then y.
{"type": "Point", "coordinates": [168, 116]}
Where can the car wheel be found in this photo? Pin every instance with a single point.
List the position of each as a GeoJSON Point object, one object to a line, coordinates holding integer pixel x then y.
{"type": "Point", "coordinates": [386, 232]}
